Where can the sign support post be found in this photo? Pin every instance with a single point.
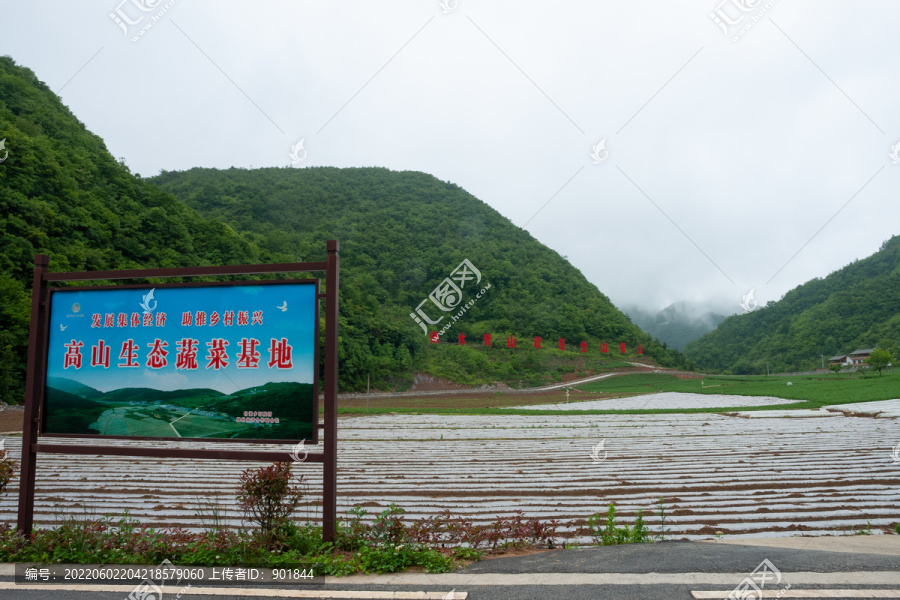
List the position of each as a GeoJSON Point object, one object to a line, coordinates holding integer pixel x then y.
{"type": "Point", "coordinates": [33, 393]}
{"type": "Point", "coordinates": [329, 474]}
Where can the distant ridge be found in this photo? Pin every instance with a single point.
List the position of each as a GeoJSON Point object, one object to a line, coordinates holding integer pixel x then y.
{"type": "Point", "coordinates": [857, 306]}
{"type": "Point", "coordinates": [677, 324]}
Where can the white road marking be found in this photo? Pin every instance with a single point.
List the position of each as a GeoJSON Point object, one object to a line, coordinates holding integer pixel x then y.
{"type": "Point", "coordinates": [247, 592]}
{"type": "Point", "coordinates": [774, 593]}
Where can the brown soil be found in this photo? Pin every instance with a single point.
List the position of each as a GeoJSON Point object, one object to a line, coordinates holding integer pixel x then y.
{"type": "Point", "coordinates": [500, 396]}
{"type": "Point", "coordinates": [11, 420]}
{"type": "Point", "coordinates": [494, 399]}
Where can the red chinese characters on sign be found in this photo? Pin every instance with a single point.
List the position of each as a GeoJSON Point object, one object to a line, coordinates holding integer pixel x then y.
{"type": "Point", "coordinates": [186, 355]}
{"type": "Point", "coordinates": [248, 357]}
{"type": "Point", "coordinates": [202, 318]}
{"type": "Point", "coordinates": [156, 358]}
{"type": "Point", "coordinates": [129, 354]}
{"type": "Point", "coordinates": [562, 344]}
{"type": "Point", "coordinates": [511, 342]}
{"type": "Point", "coordinates": [537, 342]}
{"type": "Point", "coordinates": [622, 347]}
{"type": "Point", "coordinates": [248, 354]}
{"type": "Point", "coordinates": [217, 355]}
{"type": "Point", "coordinates": [603, 347]}
{"type": "Point", "coordinates": [100, 355]}
{"type": "Point", "coordinates": [433, 337]}
{"type": "Point", "coordinates": [640, 349]}
{"type": "Point", "coordinates": [280, 354]}
{"type": "Point", "coordinates": [72, 357]}
{"type": "Point", "coordinates": [583, 346]}
{"type": "Point", "coordinates": [487, 339]}
{"type": "Point", "coordinates": [462, 339]}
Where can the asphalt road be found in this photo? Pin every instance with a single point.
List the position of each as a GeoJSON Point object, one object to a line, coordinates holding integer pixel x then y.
{"type": "Point", "coordinates": [636, 571]}
{"type": "Point", "coordinates": [685, 557]}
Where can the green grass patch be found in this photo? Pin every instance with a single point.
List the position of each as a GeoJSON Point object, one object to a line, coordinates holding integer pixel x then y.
{"type": "Point", "coordinates": [473, 364]}
{"type": "Point", "coordinates": [812, 391]}
{"type": "Point", "coordinates": [815, 390]}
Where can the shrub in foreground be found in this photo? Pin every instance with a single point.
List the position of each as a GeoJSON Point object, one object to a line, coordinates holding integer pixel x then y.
{"type": "Point", "coordinates": [7, 468]}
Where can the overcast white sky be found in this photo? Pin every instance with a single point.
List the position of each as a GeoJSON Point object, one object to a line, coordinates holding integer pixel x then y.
{"type": "Point", "coordinates": [725, 158]}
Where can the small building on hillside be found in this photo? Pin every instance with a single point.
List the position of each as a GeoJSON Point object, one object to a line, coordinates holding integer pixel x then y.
{"type": "Point", "coordinates": [859, 357]}
{"type": "Point", "coordinates": [854, 359]}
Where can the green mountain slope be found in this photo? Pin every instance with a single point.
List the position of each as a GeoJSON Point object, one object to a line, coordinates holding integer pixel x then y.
{"type": "Point", "coordinates": [63, 194]}
{"type": "Point", "coordinates": [855, 307]}
{"type": "Point", "coordinates": [401, 234]}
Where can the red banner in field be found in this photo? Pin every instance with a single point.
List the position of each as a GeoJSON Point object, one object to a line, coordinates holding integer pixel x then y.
{"type": "Point", "coordinates": [511, 342]}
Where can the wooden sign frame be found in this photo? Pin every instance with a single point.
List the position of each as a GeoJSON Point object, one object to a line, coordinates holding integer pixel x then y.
{"type": "Point", "coordinates": [32, 442]}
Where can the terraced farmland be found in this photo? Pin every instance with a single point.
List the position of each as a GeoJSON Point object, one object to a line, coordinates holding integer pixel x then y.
{"type": "Point", "coordinates": [828, 473]}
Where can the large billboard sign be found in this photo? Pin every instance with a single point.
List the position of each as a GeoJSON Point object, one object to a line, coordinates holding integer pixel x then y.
{"type": "Point", "coordinates": [234, 361]}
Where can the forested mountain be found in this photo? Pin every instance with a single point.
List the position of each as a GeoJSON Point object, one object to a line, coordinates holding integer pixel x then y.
{"type": "Point", "coordinates": [402, 233]}
{"type": "Point", "coordinates": [855, 307]}
{"type": "Point", "coordinates": [676, 324]}
{"type": "Point", "coordinates": [63, 194]}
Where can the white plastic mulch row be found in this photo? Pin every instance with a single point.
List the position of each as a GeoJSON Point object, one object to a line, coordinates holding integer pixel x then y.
{"type": "Point", "coordinates": [884, 408]}
{"type": "Point", "coordinates": [748, 477]}
{"type": "Point", "coordinates": [671, 400]}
